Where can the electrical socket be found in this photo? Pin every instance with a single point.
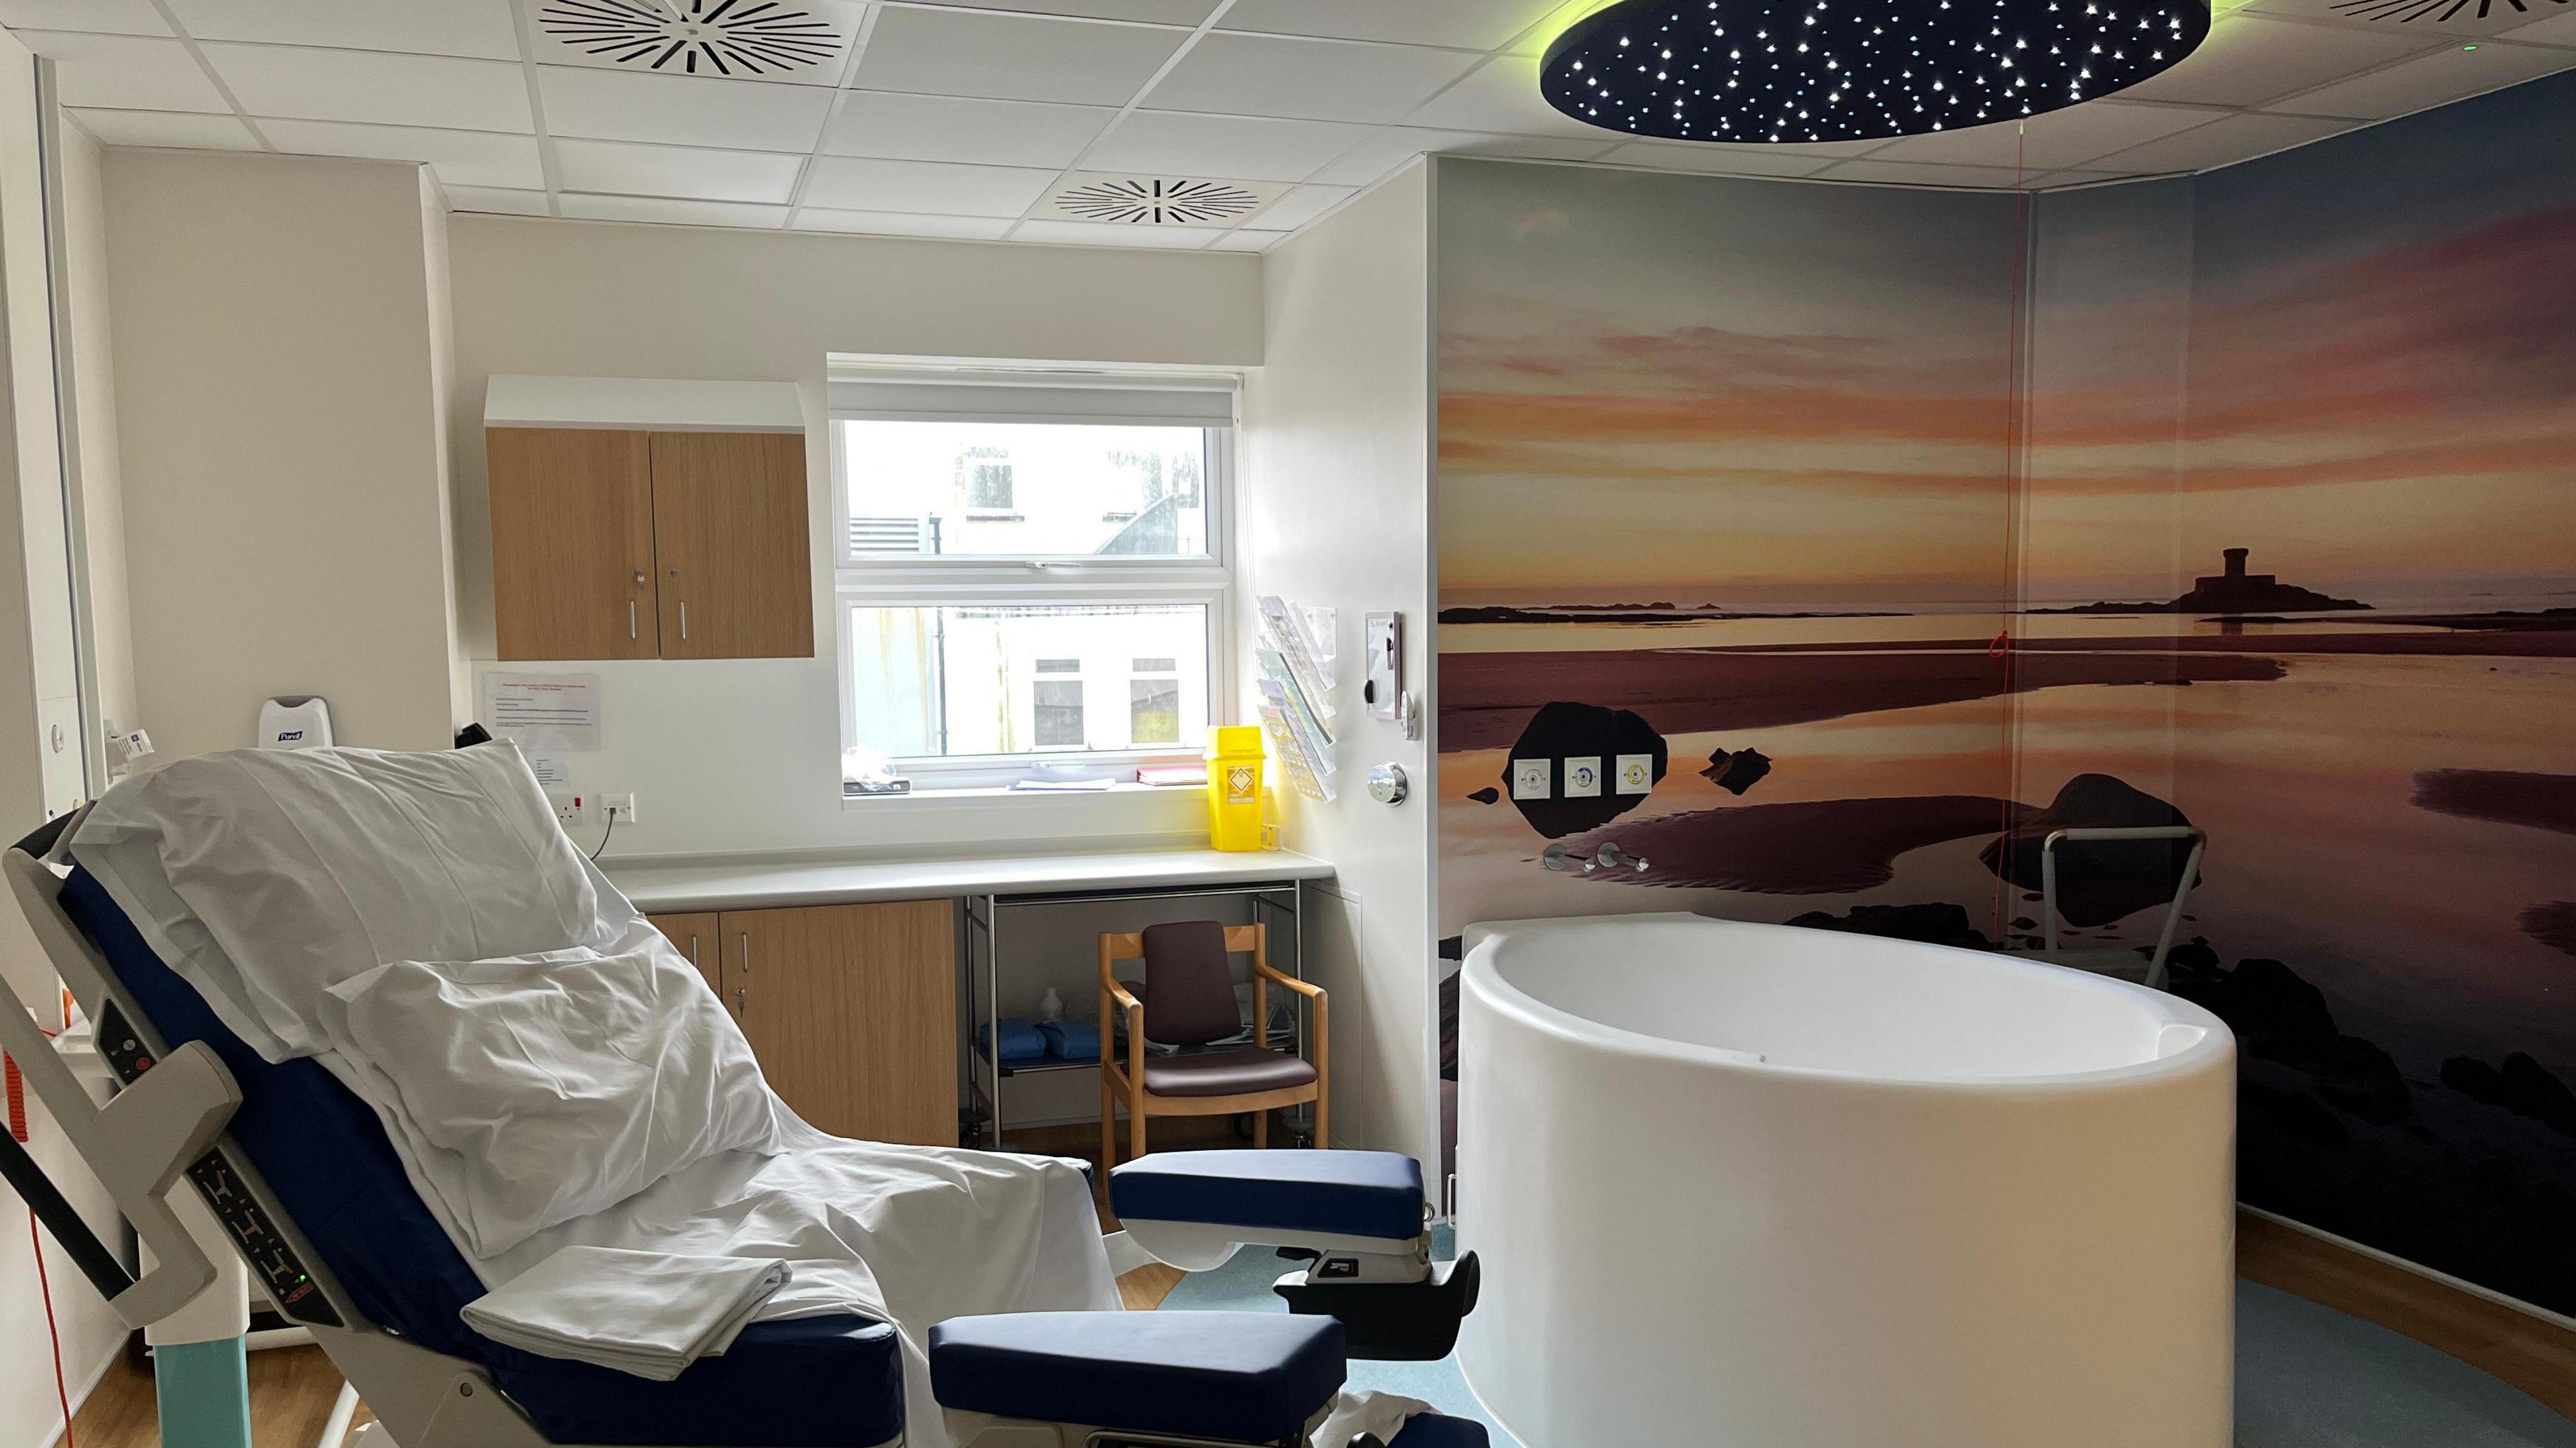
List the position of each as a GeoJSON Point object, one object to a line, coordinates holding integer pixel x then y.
{"type": "Point", "coordinates": [571, 809]}
{"type": "Point", "coordinates": [619, 807]}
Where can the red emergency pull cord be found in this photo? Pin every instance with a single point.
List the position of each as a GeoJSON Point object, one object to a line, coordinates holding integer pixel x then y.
{"type": "Point", "coordinates": [62, 1394]}
{"type": "Point", "coordinates": [17, 1097]}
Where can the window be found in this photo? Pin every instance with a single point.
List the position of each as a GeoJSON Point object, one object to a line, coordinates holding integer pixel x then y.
{"type": "Point", "coordinates": [985, 476]}
{"type": "Point", "coordinates": [1031, 566]}
{"type": "Point", "coordinates": [1154, 701]}
{"type": "Point", "coordinates": [1023, 490]}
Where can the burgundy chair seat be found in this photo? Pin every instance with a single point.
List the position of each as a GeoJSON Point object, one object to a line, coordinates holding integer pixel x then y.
{"type": "Point", "coordinates": [1225, 1073]}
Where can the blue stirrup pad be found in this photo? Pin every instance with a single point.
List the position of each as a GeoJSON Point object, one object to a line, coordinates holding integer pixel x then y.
{"type": "Point", "coordinates": [822, 1382]}
{"type": "Point", "coordinates": [1351, 1193]}
{"type": "Point", "coordinates": [1247, 1377]}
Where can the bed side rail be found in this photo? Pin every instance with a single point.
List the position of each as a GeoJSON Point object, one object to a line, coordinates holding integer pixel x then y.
{"type": "Point", "coordinates": [138, 1144]}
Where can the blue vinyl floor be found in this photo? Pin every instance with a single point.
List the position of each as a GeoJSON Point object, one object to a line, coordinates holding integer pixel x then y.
{"type": "Point", "coordinates": [2306, 1376]}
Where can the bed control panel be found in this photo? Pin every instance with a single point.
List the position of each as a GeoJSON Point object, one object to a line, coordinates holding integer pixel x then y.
{"type": "Point", "coordinates": [281, 1273]}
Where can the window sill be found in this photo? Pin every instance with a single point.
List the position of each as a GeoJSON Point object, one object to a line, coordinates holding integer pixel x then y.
{"type": "Point", "coordinates": [994, 796]}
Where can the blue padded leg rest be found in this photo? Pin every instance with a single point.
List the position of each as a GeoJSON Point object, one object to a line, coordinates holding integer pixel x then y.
{"type": "Point", "coordinates": [1350, 1193]}
{"type": "Point", "coordinates": [1438, 1430]}
{"type": "Point", "coordinates": [1247, 1377]}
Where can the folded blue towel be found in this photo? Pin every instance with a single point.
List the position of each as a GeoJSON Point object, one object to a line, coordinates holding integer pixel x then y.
{"type": "Point", "coordinates": [1020, 1040]}
{"type": "Point", "coordinates": [1071, 1040]}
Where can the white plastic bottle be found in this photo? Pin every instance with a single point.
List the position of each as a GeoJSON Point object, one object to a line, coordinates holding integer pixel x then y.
{"type": "Point", "coordinates": [1050, 1006]}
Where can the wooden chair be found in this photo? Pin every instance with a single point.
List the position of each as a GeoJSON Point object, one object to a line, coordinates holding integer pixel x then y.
{"type": "Point", "coordinates": [1190, 986]}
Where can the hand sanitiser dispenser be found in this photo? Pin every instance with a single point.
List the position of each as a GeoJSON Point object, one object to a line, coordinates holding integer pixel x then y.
{"type": "Point", "coordinates": [295, 721]}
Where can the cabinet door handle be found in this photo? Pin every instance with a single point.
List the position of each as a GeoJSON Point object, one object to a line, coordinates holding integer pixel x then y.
{"type": "Point", "coordinates": [630, 618]}
{"type": "Point", "coordinates": [742, 1002]}
{"type": "Point", "coordinates": [684, 618]}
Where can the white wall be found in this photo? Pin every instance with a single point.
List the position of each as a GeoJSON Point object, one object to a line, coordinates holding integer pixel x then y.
{"type": "Point", "coordinates": [745, 754]}
{"type": "Point", "coordinates": [101, 491]}
{"type": "Point", "coordinates": [279, 432]}
{"type": "Point", "coordinates": [1337, 432]}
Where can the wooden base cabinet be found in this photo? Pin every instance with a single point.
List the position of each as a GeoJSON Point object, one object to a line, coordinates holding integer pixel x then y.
{"type": "Point", "coordinates": [695, 935]}
{"type": "Point", "coordinates": [852, 1009]}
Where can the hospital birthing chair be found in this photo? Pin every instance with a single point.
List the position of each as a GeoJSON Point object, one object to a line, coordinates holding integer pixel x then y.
{"type": "Point", "coordinates": [1188, 1000]}
{"type": "Point", "coordinates": [302, 1178]}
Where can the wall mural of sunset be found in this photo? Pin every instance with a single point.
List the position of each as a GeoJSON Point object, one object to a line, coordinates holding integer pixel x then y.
{"type": "Point", "coordinates": [2274, 535]}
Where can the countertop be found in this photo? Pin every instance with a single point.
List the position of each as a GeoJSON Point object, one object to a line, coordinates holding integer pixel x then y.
{"type": "Point", "coordinates": [667, 886]}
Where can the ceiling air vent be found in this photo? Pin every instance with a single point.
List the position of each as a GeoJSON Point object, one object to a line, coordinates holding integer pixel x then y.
{"type": "Point", "coordinates": [740, 38]}
{"type": "Point", "coordinates": [2439, 11]}
{"type": "Point", "coordinates": [1159, 200]}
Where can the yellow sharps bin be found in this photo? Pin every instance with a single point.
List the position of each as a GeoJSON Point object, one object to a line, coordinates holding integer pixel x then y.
{"type": "Point", "coordinates": [1234, 787]}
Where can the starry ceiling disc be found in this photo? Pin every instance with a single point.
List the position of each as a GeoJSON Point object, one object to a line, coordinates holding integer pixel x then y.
{"type": "Point", "coordinates": [1762, 71]}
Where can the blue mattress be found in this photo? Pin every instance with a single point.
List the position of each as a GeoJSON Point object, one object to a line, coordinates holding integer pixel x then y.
{"type": "Point", "coordinates": [824, 1382]}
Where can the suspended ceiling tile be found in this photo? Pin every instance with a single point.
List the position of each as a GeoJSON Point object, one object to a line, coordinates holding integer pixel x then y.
{"type": "Point", "coordinates": [2222, 142]}
{"type": "Point", "coordinates": [1460, 24]}
{"type": "Point", "coordinates": [2558, 29]}
{"type": "Point", "coordinates": [1087, 233]}
{"type": "Point", "coordinates": [2250, 59]}
{"type": "Point", "coordinates": [903, 223]}
{"type": "Point", "coordinates": [1301, 205]}
{"type": "Point", "coordinates": [1245, 148]}
{"type": "Point", "coordinates": [1917, 173]}
{"type": "Point", "coordinates": [1012, 57]}
{"type": "Point", "coordinates": [496, 201]}
{"type": "Point", "coordinates": [957, 128]}
{"type": "Point", "coordinates": [2053, 142]}
{"type": "Point", "coordinates": [429, 27]}
{"type": "Point", "coordinates": [2448, 74]}
{"type": "Point", "coordinates": [1247, 240]}
{"type": "Point", "coordinates": [1716, 160]}
{"type": "Point", "coordinates": [1391, 148]}
{"type": "Point", "coordinates": [855, 183]}
{"type": "Point", "coordinates": [187, 130]}
{"type": "Point", "coordinates": [2435, 18]}
{"type": "Point", "coordinates": [790, 42]}
{"type": "Point", "coordinates": [680, 110]}
{"type": "Point", "coordinates": [1501, 98]}
{"type": "Point", "coordinates": [372, 86]}
{"type": "Point", "coordinates": [125, 72]}
{"type": "Point", "coordinates": [681, 171]}
{"type": "Point", "coordinates": [115, 17]}
{"type": "Point", "coordinates": [1157, 12]}
{"type": "Point", "coordinates": [1535, 42]}
{"type": "Point", "coordinates": [685, 213]}
{"type": "Point", "coordinates": [465, 158]}
{"type": "Point", "coordinates": [1315, 80]}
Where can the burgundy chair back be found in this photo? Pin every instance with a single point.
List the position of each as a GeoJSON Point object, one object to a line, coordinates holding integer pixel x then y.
{"type": "Point", "coordinates": [1189, 984]}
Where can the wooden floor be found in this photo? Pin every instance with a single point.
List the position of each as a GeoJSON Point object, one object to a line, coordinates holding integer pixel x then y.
{"type": "Point", "coordinates": [291, 1392]}
{"type": "Point", "coordinates": [291, 1389]}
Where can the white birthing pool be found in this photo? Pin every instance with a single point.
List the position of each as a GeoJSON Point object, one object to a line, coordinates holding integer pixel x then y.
{"type": "Point", "coordinates": [1748, 1186]}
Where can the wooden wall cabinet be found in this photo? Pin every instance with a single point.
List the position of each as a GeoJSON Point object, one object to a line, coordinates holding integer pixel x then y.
{"type": "Point", "coordinates": [852, 1009]}
{"type": "Point", "coordinates": [613, 543]}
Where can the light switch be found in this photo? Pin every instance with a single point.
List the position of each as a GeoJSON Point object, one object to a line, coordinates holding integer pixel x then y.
{"type": "Point", "coordinates": [1531, 778]}
{"type": "Point", "coordinates": [1636, 774]}
{"type": "Point", "coordinates": [1583, 777]}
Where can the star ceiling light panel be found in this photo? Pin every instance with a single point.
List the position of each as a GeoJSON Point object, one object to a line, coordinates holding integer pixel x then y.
{"type": "Point", "coordinates": [1762, 71]}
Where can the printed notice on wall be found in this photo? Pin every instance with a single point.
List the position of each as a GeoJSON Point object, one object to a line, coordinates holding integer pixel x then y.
{"type": "Point", "coordinates": [552, 770]}
{"type": "Point", "coordinates": [548, 713]}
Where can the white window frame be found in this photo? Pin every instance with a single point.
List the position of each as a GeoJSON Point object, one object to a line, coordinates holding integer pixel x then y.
{"type": "Point", "coordinates": [961, 580]}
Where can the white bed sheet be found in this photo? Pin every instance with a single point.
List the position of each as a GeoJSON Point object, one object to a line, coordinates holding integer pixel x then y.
{"type": "Point", "coordinates": [909, 1235]}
